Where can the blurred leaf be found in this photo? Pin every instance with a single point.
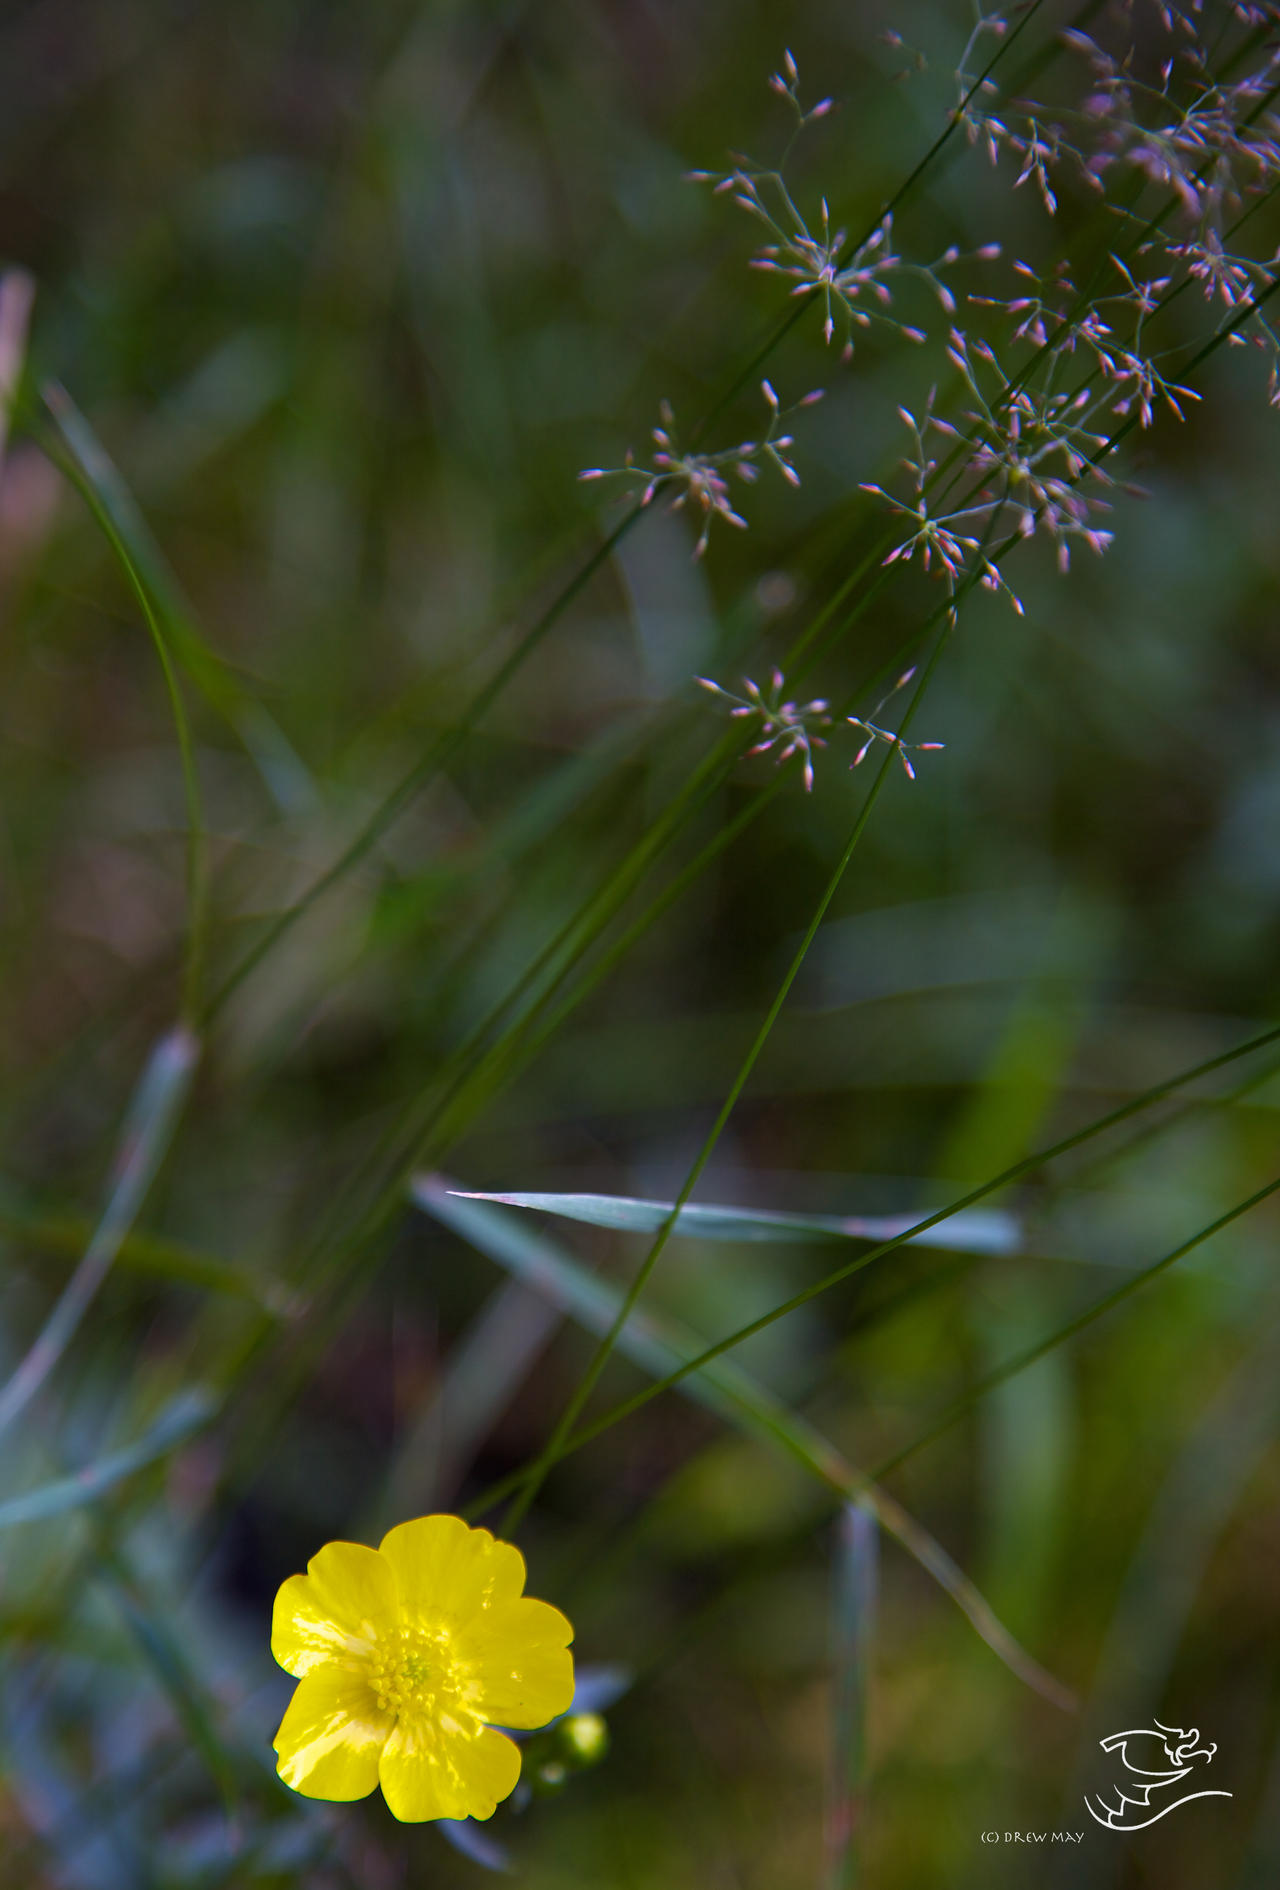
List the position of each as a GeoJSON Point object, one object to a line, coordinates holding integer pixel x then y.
{"type": "Point", "coordinates": [185, 1414]}
{"type": "Point", "coordinates": [981, 1231]}
{"type": "Point", "coordinates": [1026, 1436]}
{"type": "Point", "coordinates": [598, 1685]}
{"type": "Point", "coordinates": [130, 538]}
{"type": "Point", "coordinates": [17, 292]}
{"type": "Point", "coordinates": [466, 1836]}
{"type": "Point", "coordinates": [1185, 1523]}
{"type": "Point", "coordinates": [144, 564]}
{"type": "Point", "coordinates": [855, 1577]}
{"type": "Point", "coordinates": [144, 1253]}
{"type": "Point", "coordinates": [148, 1128]}
{"type": "Point", "coordinates": [150, 1629]}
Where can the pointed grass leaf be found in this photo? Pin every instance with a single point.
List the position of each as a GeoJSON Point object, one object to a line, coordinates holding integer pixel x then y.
{"type": "Point", "coordinates": [146, 569]}
{"type": "Point", "coordinates": [659, 1345]}
{"type": "Point", "coordinates": [989, 1230]}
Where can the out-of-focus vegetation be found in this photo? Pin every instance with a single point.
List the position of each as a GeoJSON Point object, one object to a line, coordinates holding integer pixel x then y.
{"type": "Point", "coordinates": [331, 306]}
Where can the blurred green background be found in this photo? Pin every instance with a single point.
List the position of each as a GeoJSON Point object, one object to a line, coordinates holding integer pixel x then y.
{"type": "Point", "coordinates": [349, 296]}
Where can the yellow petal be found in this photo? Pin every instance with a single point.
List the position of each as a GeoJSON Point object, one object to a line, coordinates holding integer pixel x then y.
{"type": "Point", "coordinates": [446, 1571]}
{"type": "Point", "coordinates": [519, 1656]}
{"type": "Point", "coordinates": [331, 1738]}
{"type": "Point", "coordinates": [335, 1611]}
{"type": "Point", "coordinates": [446, 1769]}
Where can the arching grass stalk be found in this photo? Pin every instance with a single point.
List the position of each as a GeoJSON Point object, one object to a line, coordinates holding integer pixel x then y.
{"type": "Point", "coordinates": [197, 859]}
{"type": "Point", "coordinates": [563, 1431]}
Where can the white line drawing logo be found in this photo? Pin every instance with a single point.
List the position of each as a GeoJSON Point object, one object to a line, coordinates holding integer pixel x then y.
{"type": "Point", "coordinates": [1147, 1754]}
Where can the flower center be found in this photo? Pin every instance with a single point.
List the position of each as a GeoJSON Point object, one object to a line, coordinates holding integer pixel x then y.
{"type": "Point", "coordinates": [406, 1670]}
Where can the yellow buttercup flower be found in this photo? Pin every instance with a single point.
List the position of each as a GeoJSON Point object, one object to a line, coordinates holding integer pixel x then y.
{"type": "Point", "coordinates": [407, 1657]}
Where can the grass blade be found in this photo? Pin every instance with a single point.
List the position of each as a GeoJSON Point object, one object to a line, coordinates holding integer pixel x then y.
{"type": "Point", "coordinates": [994, 1231]}
{"type": "Point", "coordinates": [658, 1345]}
{"type": "Point", "coordinates": [149, 1124]}
{"type": "Point", "coordinates": [164, 1654]}
{"type": "Point", "coordinates": [112, 506]}
{"type": "Point", "coordinates": [99, 482]}
{"type": "Point", "coordinates": [484, 1373]}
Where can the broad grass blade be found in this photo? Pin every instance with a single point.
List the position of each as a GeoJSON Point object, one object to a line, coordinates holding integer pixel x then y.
{"type": "Point", "coordinates": [659, 1346]}
{"type": "Point", "coordinates": [973, 1230]}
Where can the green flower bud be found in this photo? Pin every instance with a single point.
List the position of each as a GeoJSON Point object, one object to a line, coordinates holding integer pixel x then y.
{"type": "Point", "coordinates": [584, 1738]}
